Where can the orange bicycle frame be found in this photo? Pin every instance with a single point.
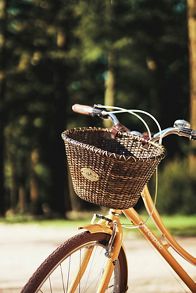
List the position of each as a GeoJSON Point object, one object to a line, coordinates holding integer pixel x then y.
{"type": "Point", "coordinates": [162, 248]}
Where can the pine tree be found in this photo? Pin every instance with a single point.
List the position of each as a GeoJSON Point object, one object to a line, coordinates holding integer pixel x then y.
{"type": "Point", "coordinates": [3, 71]}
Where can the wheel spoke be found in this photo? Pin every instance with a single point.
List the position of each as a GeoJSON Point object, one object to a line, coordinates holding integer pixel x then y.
{"type": "Point", "coordinates": [66, 272]}
{"type": "Point", "coordinates": [77, 266]}
{"type": "Point", "coordinates": [69, 265]}
{"type": "Point", "coordinates": [50, 285]}
{"type": "Point", "coordinates": [62, 279]}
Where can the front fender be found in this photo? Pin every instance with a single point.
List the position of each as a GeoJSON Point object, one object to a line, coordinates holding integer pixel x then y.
{"type": "Point", "coordinates": [95, 228]}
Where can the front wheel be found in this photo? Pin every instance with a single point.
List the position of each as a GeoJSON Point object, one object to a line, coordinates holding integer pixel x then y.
{"type": "Point", "coordinates": [63, 269]}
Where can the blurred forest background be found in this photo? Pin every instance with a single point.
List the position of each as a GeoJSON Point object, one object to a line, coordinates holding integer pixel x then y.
{"type": "Point", "coordinates": [131, 53]}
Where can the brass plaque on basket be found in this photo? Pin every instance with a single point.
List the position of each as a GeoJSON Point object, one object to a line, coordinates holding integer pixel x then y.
{"type": "Point", "coordinates": [89, 174]}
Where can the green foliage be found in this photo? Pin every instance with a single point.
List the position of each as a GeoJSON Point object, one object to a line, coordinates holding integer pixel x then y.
{"type": "Point", "coordinates": [178, 225]}
{"type": "Point", "coordinates": [54, 54]}
{"type": "Point", "coordinates": [177, 189]}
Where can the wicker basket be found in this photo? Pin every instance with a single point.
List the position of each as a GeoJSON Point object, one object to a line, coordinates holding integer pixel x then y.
{"type": "Point", "coordinates": [110, 172]}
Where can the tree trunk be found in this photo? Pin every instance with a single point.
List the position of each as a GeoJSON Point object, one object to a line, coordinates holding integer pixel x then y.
{"type": "Point", "coordinates": [110, 85]}
{"type": "Point", "coordinates": [61, 197]}
{"type": "Point", "coordinates": [21, 199]}
{"type": "Point", "coordinates": [3, 33]}
{"type": "Point", "coordinates": [192, 57]}
{"type": "Point", "coordinates": [34, 186]}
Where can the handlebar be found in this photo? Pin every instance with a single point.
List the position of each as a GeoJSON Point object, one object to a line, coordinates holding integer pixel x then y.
{"type": "Point", "coordinates": [82, 109]}
{"type": "Point", "coordinates": [185, 132]}
{"type": "Point", "coordinates": [180, 128]}
{"type": "Point", "coordinates": [88, 110]}
{"type": "Point", "coordinates": [93, 111]}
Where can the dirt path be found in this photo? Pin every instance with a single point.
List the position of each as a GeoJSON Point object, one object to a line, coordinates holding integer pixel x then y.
{"type": "Point", "coordinates": [24, 247]}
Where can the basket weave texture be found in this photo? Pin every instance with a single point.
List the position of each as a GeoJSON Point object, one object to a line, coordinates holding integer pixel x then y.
{"type": "Point", "coordinates": [107, 171]}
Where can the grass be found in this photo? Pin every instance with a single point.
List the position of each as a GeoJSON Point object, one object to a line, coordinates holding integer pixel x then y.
{"type": "Point", "coordinates": [181, 225]}
{"type": "Point", "coordinates": [178, 225]}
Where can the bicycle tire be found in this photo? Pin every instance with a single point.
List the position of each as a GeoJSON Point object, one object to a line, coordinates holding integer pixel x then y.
{"type": "Point", "coordinates": [67, 250]}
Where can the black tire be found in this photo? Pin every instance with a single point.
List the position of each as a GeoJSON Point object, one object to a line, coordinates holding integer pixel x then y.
{"type": "Point", "coordinates": [70, 248]}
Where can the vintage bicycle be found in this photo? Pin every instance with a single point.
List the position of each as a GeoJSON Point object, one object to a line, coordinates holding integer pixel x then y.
{"type": "Point", "coordinates": [111, 168]}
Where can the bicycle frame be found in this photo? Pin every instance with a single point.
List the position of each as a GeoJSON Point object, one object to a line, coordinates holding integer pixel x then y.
{"type": "Point", "coordinates": [110, 224]}
{"type": "Point", "coordinates": [117, 234]}
{"type": "Point", "coordinates": [161, 247]}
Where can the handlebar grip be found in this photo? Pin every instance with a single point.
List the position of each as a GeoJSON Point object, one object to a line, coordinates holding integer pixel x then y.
{"type": "Point", "coordinates": [82, 109]}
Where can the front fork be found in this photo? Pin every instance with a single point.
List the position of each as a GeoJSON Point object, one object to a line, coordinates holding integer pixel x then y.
{"type": "Point", "coordinates": [109, 225]}
{"type": "Point", "coordinates": [112, 253]}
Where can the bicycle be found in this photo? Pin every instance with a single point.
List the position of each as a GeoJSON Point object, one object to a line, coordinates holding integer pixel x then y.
{"type": "Point", "coordinates": [95, 259]}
